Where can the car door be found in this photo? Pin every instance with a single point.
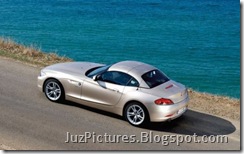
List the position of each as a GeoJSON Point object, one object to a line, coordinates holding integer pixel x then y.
{"type": "Point", "coordinates": [107, 90]}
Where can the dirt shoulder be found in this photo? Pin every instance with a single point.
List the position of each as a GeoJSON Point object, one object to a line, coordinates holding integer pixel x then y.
{"type": "Point", "coordinates": [216, 105]}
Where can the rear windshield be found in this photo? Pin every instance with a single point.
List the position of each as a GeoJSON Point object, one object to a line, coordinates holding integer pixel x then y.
{"type": "Point", "coordinates": [154, 78]}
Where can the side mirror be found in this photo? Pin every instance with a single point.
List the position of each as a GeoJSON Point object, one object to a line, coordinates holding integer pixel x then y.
{"type": "Point", "coordinates": [96, 77]}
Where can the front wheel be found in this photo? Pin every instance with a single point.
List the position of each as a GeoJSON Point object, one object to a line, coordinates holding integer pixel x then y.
{"type": "Point", "coordinates": [136, 114]}
{"type": "Point", "coordinates": [53, 90]}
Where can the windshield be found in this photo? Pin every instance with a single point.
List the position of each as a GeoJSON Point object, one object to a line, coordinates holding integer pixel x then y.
{"type": "Point", "coordinates": [154, 78]}
{"type": "Point", "coordinates": [97, 70]}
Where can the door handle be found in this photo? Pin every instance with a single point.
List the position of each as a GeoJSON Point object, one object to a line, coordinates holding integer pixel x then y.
{"type": "Point", "coordinates": [115, 90]}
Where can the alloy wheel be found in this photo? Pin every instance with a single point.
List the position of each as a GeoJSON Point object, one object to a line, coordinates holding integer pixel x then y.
{"type": "Point", "coordinates": [53, 91]}
{"type": "Point", "coordinates": [135, 114]}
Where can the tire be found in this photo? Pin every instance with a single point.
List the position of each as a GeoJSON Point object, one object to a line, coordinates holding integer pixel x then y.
{"type": "Point", "coordinates": [53, 90]}
{"type": "Point", "coordinates": [136, 114]}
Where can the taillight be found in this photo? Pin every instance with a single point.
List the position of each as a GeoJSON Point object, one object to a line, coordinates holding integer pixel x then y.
{"type": "Point", "coordinates": [163, 101]}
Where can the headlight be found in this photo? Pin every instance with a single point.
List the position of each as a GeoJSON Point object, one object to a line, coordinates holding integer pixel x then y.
{"type": "Point", "coordinates": [42, 73]}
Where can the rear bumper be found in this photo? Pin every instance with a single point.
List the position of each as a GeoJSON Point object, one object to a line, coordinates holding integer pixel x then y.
{"type": "Point", "coordinates": [160, 113]}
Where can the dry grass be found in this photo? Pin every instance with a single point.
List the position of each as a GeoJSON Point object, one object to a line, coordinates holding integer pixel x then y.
{"type": "Point", "coordinates": [9, 48]}
{"type": "Point", "coordinates": [216, 105]}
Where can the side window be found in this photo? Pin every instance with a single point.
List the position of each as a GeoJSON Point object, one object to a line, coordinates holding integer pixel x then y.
{"type": "Point", "coordinates": [119, 78]}
{"type": "Point", "coordinates": [133, 83]}
{"type": "Point", "coordinates": [107, 77]}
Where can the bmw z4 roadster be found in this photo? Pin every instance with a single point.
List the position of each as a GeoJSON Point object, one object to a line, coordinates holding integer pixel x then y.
{"type": "Point", "coordinates": [138, 91]}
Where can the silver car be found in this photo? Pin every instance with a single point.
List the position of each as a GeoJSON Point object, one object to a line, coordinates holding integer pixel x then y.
{"type": "Point", "coordinates": [138, 91]}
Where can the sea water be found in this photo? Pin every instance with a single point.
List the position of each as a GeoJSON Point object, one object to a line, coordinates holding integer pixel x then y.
{"type": "Point", "coordinates": [195, 42]}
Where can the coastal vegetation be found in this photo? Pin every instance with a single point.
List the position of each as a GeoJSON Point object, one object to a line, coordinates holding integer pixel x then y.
{"type": "Point", "coordinates": [204, 102]}
{"type": "Point", "coordinates": [28, 54]}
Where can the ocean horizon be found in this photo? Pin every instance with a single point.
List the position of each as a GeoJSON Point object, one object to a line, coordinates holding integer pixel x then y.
{"type": "Point", "coordinates": [196, 43]}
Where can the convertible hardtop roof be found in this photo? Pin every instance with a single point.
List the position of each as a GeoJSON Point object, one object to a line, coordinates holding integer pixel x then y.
{"type": "Point", "coordinates": [134, 68]}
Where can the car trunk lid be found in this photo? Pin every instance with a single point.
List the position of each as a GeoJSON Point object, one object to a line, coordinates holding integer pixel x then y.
{"type": "Point", "coordinates": [171, 90]}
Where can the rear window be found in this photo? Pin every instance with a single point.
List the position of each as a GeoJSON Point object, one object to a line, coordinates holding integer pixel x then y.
{"type": "Point", "coordinates": [154, 78]}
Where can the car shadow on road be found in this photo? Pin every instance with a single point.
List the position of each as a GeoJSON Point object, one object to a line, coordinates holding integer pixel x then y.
{"type": "Point", "coordinates": [195, 122]}
{"type": "Point", "coordinates": [192, 122]}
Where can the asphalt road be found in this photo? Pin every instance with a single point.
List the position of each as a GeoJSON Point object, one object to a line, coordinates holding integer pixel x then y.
{"type": "Point", "coordinates": [29, 121]}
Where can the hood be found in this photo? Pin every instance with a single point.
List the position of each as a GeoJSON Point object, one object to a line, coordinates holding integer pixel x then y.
{"type": "Point", "coordinates": [170, 90]}
{"type": "Point", "coordinates": [72, 67]}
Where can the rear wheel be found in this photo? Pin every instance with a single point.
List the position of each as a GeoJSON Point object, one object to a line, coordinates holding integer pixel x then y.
{"type": "Point", "coordinates": [136, 114]}
{"type": "Point", "coordinates": [53, 90]}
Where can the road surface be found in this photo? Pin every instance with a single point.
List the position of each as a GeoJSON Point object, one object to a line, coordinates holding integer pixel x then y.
{"type": "Point", "coordinates": [30, 122]}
